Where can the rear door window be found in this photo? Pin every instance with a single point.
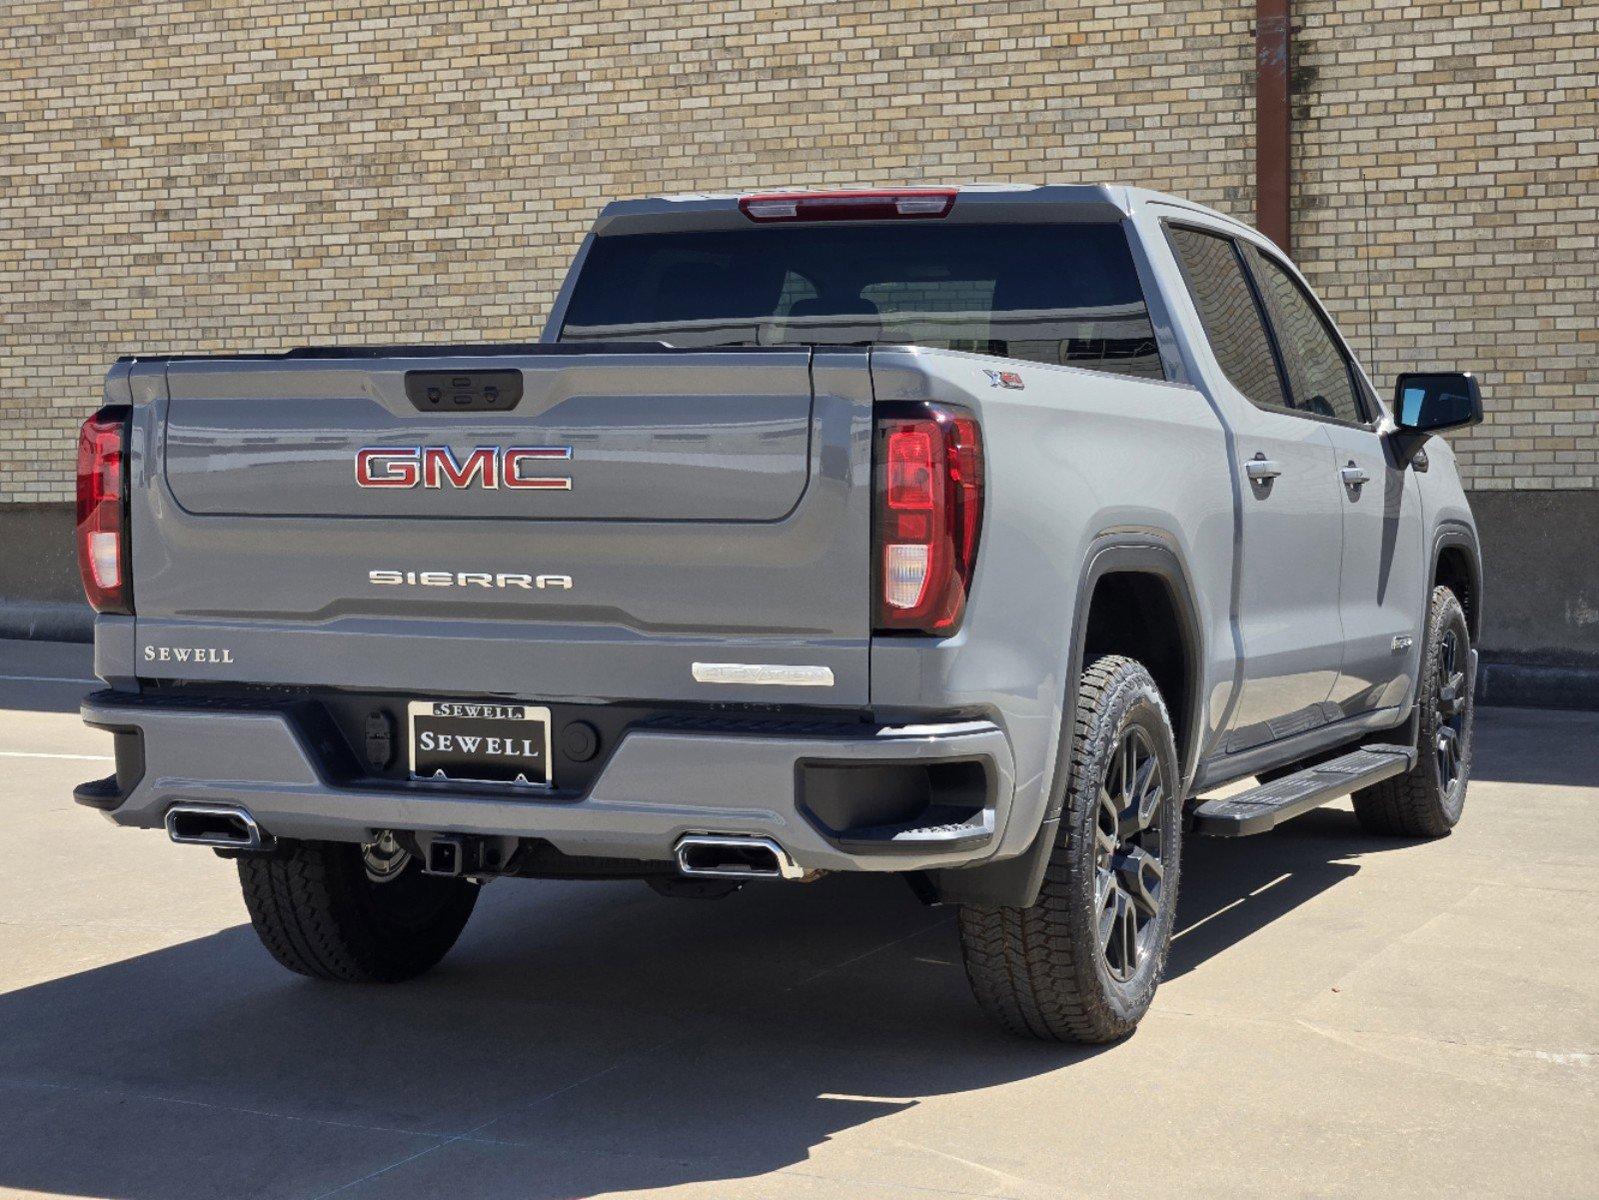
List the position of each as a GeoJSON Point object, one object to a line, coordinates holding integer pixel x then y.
{"type": "Point", "coordinates": [1058, 293]}
{"type": "Point", "coordinates": [1227, 309]}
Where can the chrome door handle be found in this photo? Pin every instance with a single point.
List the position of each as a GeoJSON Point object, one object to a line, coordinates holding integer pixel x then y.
{"type": "Point", "coordinates": [1260, 469]}
{"type": "Point", "coordinates": [1353, 476]}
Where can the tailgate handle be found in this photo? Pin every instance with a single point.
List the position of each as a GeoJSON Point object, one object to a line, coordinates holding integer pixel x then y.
{"type": "Point", "coordinates": [464, 391]}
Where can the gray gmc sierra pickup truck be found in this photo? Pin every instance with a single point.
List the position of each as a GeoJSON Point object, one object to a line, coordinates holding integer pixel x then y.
{"type": "Point", "coordinates": [971, 534]}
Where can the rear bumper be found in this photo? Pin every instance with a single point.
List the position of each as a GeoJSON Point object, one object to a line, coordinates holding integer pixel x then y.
{"type": "Point", "coordinates": [657, 785]}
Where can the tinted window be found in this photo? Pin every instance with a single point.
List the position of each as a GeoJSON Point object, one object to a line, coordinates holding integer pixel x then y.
{"type": "Point", "coordinates": [1318, 371]}
{"type": "Point", "coordinates": [1230, 315]}
{"type": "Point", "coordinates": [1048, 293]}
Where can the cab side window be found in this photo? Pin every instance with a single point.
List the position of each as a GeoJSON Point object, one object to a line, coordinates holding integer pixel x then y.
{"type": "Point", "coordinates": [1319, 374]}
{"type": "Point", "coordinates": [1227, 309]}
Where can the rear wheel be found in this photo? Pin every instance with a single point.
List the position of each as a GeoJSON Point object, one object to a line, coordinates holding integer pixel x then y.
{"type": "Point", "coordinates": [1427, 801]}
{"type": "Point", "coordinates": [335, 910]}
{"type": "Point", "coordinates": [1081, 964]}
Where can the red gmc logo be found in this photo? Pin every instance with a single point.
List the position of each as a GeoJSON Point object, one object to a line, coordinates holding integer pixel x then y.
{"type": "Point", "coordinates": [437, 467]}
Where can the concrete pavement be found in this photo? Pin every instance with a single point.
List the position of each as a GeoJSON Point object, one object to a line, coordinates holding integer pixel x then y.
{"type": "Point", "coordinates": [1342, 1017]}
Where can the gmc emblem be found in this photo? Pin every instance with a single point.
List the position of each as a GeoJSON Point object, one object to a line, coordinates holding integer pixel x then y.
{"type": "Point", "coordinates": [437, 467]}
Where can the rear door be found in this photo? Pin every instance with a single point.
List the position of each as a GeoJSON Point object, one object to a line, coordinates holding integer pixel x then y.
{"type": "Point", "coordinates": [1292, 524]}
{"type": "Point", "coordinates": [402, 523]}
{"type": "Point", "coordinates": [1381, 584]}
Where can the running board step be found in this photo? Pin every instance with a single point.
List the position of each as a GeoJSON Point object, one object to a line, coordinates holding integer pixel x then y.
{"type": "Point", "coordinates": [1270, 804]}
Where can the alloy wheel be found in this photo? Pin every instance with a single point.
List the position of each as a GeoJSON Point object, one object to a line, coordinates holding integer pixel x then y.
{"type": "Point", "coordinates": [1450, 701]}
{"type": "Point", "coordinates": [1131, 847]}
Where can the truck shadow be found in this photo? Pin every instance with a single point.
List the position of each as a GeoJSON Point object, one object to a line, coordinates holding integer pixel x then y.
{"type": "Point", "coordinates": [582, 1040]}
{"type": "Point", "coordinates": [46, 695]}
{"type": "Point", "coordinates": [37, 676]}
{"type": "Point", "coordinates": [1233, 887]}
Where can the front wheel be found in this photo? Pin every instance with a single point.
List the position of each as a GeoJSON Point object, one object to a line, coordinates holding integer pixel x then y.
{"type": "Point", "coordinates": [1081, 964]}
{"type": "Point", "coordinates": [1427, 801]}
{"type": "Point", "coordinates": [359, 914]}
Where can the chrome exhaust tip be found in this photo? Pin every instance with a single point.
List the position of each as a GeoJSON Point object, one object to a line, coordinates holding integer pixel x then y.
{"type": "Point", "coordinates": [719, 856]}
{"type": "Point", "coordinates": [225, 826]}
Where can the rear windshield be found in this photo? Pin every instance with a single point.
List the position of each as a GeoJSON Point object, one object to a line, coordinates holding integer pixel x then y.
{"type": "Point", "coordinates": [1046, 293]}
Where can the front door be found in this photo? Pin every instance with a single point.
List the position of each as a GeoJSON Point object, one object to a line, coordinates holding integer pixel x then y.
{"type": "Point", "coordinates": [1381, 593]}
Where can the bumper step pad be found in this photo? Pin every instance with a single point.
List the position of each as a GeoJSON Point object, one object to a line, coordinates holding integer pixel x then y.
{"type": "Point", "coordinates": [1268, 805]}
{"type": "Point", "coordinates": [959, 832]}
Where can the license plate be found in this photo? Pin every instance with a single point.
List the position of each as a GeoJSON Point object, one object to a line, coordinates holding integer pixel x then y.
{"type": "Point", "coordinates": [482, 743]}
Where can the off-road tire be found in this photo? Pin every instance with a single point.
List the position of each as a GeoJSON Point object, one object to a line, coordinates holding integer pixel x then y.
{"type": "Point", "coordinates": [317, 912]}
{"type": "Point", "coordinates": [1042, 971]}
{"type": "Point", "coordinates": [1417, 804]}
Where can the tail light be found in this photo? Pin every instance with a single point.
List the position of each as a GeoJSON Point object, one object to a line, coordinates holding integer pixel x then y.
{"type": "Point", "coordinates": [876, 205]}
{"type": "Point", "coordinates": [929, 514]}
{"type": "Point", "coordinates": [102, 511]}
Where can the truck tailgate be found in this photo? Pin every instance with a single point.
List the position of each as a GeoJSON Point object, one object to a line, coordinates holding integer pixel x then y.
{"type": "Point", "coordinates": [692, 507]}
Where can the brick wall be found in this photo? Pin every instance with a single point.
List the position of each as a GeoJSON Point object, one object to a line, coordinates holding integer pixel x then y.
{"type": "Point", "coordinates": [1447, 207]}
{"type": "Point", "coordinates": [207, 176]}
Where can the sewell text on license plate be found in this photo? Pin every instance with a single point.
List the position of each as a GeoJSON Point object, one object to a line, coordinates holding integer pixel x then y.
{"type": "Point", "coordinates": [480, 742]}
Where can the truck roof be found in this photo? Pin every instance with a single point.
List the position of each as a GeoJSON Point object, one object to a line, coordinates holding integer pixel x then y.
{"type": "Point", "coordinates": [984, 202]}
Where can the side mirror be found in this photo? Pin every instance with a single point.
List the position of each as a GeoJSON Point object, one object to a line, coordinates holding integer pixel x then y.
{"type": "Point", "coordinates": [1427, 402]}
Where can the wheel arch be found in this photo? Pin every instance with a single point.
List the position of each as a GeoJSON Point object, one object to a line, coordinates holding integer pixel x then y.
{"type": "Point", "coordinates": [1116, 566]}
{"type": "Point", "coordinates": [1456, 562]}
{"type": "Point", "coordinates": [1135, 599]}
